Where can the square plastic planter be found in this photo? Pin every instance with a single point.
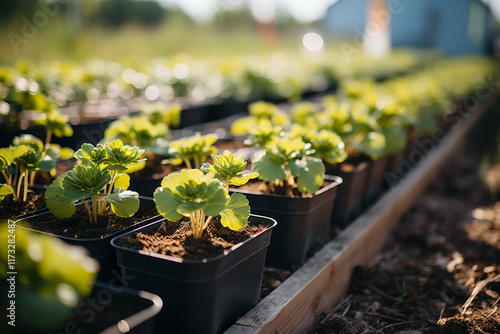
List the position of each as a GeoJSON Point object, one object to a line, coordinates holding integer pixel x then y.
{"type": "Point", "coordinates": [109, 309]}
{"type": "Point", "coordinates": [350, 194]}
{"type": "Point", "coordinates": [122, 310]}
{"type": "Point", "coordinates": [99, 248]}
{"type": "Point", "coordinates": [199, 296]}
{"type": "Point", "coordinates": [375, 181]}
{"type": "Point", "coordinates": [303, 222]}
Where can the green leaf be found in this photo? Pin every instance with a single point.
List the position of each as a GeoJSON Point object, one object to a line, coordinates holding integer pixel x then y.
{"type": "Point", "coordinates": [9, 154]}
{"type": "Point", "coordinates": [59, 204]}
{"type": "Point", "coordinates": [372, 144]}
{"type": "Point", "coordinates": [395, 139]}
{"type": "Point", "coordinates": [46, 164]}
{"type": "Point", "coordinates": [189, 191]}
{"type": "Point", "coordinates": [122, 181]}
{"type": "Point", "coordinates": [85, 180]}
{"type": "Point", "coordinates": [269, 168]}
{"type": "Point", "coordinates": [228, 168]}
{"type": "Point", "coordinates": [5, 190]}
{"type": "Point", "coordinates": [235, 215]}
{"type": "Point", "coordinates": [166, 204]}
{"type": "Point", "coordinates": [217, 203]}
{"type": "Point", "coordinates": [311, 175]}
{"type": "Point", "coordinates": [241, 180]}
{"type": "Point", "coordinates": [124, 203]}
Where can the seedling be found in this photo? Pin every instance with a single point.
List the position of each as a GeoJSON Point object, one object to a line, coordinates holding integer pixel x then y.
{"type": "Point", "coordinates": [137, 131]}
{"type": "Point", "coordinates": [191, 193]}
{"type": "Point", "coordinates": [229, 169]}
{"type": "Point", "coordinates": [17, 161]}
{"type": "Point", "coordinates": [195, 149]}
{"type": "Point", "coordinates": [328, 146]}
{"type": "Point", "coordinates": [159, 113]}
{"type": "Point", "coordinates": [289, 163]}
{"type": "Point", "coordinates": [262, 133]}
{"type": "Point", "coordinates": [98, 178]}
{"type": "Point", "coordinates": [55, 124]}
{"type": "Point", "coordinates": [259, 111]}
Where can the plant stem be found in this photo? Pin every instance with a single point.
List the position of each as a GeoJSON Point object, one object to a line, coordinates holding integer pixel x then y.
{"type": "Point", "coordinates": [196, 163]}
{"type": "Point", "coordinates": [25, 195]}
{"type": "Point", "coordinates": [94, 208]}
{"type": "Point", "coordinates": [32, 178]}
{"type": "Point", "coordinates": [16, 172]}
{"type": "Point", "coordinates": [206, 223]}
{"type": "Point", "coordinates": [193, 224]}
{"type": "Point", "coordinates": [19, 185]}
{"type": "Point", "coordinates": [88, 209]}
{"type": "Point", "coordinates": [48, 138]}
{"type": "Point", "coordinates": [188, 163]}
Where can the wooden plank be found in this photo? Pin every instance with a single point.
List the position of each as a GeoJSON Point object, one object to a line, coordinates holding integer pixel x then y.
{"type": "Point", "coordinates": [322, 281]}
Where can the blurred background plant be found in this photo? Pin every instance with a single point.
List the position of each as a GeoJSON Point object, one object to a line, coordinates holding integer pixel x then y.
{"type": "Point", "coordinates": [52, 278]}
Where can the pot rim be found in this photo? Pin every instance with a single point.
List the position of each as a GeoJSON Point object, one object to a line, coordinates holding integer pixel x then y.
{"type": "Point", "coordinates": [187, 261]}
{"type": "Point", "coordinates": [334, 181]}
{"type": "Point", "coordinates": [22, 218]}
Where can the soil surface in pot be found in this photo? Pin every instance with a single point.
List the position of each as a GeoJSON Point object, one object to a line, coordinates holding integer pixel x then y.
{"type": "Point", "coordinates": [79, 226]}
{"type": "Point", "coordinates": [275, 189]}
{"type": "Point", "coordinates": [440, 269]}
{"type": "Point", "coordinates": [10, 208]}
{"type": "Point", "coordinates": [175, 239]}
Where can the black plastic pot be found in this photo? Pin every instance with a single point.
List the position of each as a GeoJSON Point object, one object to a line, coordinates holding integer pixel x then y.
{"type": "Point", "coordinates": [350, 194]}
{"type": "Point", "coordinates": [375, 181]}
{"type": "Point", "coordinates": [145, 186]}
{"type": "Point", "coordinates": [303, 222]}
{"type": "Point", "coordinates": [109, 309]}
{"type": "Point", "coordinates": [99, 248]}
{"type": "Point", "coordinates": [199, 296]}
{"type": "Point", "coordinates": [121, 310]}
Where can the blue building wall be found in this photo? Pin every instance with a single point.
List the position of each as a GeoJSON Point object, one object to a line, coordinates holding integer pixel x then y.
{"type": "Point", "coordinates": [454, 26]}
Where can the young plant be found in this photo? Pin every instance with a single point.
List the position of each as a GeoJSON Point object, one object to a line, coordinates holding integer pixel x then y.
{"type": "Point", "coordinates": [52, 277]}
{"type": "Point", "coordinates": [18, 161]}
{"type": "Point", "coordinates": [55, 124]}
{"type": "Point", "coordinates": [259, 111]}
{"type": "Point", "coordinates": [98, 177]}
{"type": "Point", "coordinates": [137, 131]}
{"type": "Point", "coordinates": [262, 133]}
{"type": "Point", "coordinates": [229, 169]}
{"type": "Point", "coordinates": [160, 113]}
{"type": "Point", "coordinates": [327, 146]}
{"type": "Point", "coordinates": [303, 111]}
{"type": "Point", "coordinates": [197, 196]}
{"type": "Point", "coordinates": [289, 163]}
{"type": "Point", "coordinates": [196, 148]}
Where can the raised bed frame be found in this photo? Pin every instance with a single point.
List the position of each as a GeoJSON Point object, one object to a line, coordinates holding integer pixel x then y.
{"type": "Point", "coordinates": [295, 306]}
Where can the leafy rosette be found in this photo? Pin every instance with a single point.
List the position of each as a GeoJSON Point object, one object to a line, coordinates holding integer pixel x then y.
{"type": "Point", "coordinates": [195, 148]}
{"type": "Point", "coordinates": [229, 169]}
{"type": "Point", "coordinates": [328, 146]}
{"type": "Point", "coordinates": [87, 181]}
{"type": "Point", "coordinates": [287, 159]}
{"type": "Point", "coordinates": [195, 195]}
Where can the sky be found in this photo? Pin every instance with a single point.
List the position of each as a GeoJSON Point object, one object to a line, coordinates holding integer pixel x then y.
{"type": "Point", "coordinates": [302, 10]}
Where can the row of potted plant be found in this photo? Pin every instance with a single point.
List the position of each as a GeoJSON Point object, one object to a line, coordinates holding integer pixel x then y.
{"type": "Point", "coordinates": [291, 150]}
{"type": "Point", "coordinates": [28, 87]}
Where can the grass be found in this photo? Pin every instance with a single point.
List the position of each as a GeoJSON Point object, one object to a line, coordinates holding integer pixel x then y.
{"type": "Point", "coordinates": [133, 42]}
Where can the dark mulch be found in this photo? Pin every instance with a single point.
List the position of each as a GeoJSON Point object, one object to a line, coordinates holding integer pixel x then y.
{"type": "Point", "coordinates": [439, 271]}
